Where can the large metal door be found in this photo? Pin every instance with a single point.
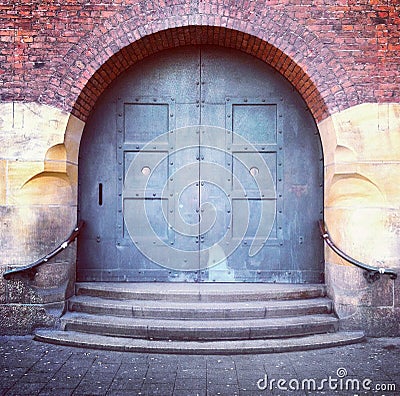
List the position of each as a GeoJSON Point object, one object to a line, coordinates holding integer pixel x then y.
{"type": "Point", "coordinates": [200, 164]}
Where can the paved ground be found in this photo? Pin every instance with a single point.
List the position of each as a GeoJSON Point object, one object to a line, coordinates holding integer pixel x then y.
{"type": "Point", "coordinates": [32, 368]}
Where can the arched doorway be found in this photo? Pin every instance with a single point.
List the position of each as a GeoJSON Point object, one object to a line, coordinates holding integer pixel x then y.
{"type": "Point", "coordinates": [201, 105]}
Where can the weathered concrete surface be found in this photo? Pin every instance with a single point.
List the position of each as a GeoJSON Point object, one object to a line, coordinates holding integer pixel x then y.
{"type": "Point", "coordinates": [21, 319]}
{"type": "Point", "coordinates": [361, 305]}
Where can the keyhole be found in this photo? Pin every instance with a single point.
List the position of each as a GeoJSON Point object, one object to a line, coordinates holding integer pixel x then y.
{"type": "Point", "coordinates": [100, 194]}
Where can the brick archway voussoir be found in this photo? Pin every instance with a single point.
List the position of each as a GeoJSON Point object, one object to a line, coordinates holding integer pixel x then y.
{"type": "Point", "coordinates": [92, 87]}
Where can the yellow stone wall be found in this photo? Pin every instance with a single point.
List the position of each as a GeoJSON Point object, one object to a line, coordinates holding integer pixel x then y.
{"type": "Point", "coordinates": [362, 210]}
{"type": "Point", "coordinates": [38, 207]}
{"type": "Point", "coordinates": [362, 182]}
{"type": "Point", "coordinates": [36, 139]}
{"type": "Point", "coordinates": [37, 174]}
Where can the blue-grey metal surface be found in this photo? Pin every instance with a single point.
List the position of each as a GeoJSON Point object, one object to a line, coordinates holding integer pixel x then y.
{"type": "Point", "coordinates": [199, 92]}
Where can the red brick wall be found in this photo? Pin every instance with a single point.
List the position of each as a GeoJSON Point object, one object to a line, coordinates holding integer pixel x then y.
{"type": "Point", "coordinates": [337, 53]}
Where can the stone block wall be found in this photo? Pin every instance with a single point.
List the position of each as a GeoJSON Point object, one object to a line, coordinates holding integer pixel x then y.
{"type": "Point", "coordinates": [38, 211]}
{"type": "Point", "coordinates": [57, 58]}
{"type": "Point", "coordinates": [362, 190]}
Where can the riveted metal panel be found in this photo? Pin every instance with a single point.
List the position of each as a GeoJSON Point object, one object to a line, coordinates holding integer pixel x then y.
{"type": "Point", "coordinates": [214, 159]}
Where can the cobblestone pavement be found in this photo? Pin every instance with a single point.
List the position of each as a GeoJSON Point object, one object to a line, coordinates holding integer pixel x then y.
{"type": "Point", "coordinates": [32, 368]}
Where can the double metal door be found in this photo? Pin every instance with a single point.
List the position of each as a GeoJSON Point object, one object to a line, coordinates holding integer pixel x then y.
{"type": "Point", "coordinates": [184, 175]}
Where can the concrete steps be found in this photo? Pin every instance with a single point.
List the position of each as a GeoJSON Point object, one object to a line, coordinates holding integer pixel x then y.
{"type": "Point", "coordinates": [207, 292]}
{"type": "Point", "coordinates": [200, 330]}
{"type": "Point", "coordinates": [196, 310]}
{"type": "Point", "coordinates": [213, 318]}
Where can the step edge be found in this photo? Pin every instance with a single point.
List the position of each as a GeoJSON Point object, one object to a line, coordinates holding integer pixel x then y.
{"type": "Point", "coordinates": [99, 289]}
{"type": "Point", "coordinates": [107, 319]}
{"type": "Point", "coordinates": [205, 330]}
{"type": "Point", "coordinates": [141, 308]}
{"type": "Point", "coordinates": [205, 347]}
{"type": "Point", "coordinates": [256, 302]}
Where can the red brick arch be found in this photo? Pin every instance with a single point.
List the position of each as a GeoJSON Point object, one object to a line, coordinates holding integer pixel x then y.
{"type": "Point", "coordinates": [100, 57]}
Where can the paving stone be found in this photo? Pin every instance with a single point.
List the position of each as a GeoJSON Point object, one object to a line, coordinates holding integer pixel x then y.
{"type": "Point", "coordinates": [134, 358]}
{"type": "Point", "coordinates": [163, 360]}
{"type": "Point", "coordinates": [242, 366]}
{"type": "Point", "coordinates": [192, 362]}
{"type": "Point", "coordinates": [156, 379]}
{"type": "Point", "coordinates": [89, 392]}
{"type": "Point", "coordinates": [117, 393]}
{"type": "Point", "coordinates": [219, 361]}
{"type": "Point", "coordinates": [291, 393]}
{"type": "Point", "coordinates": [130, 377]}
{"type": "Point", "coordinates": [222, 389]}
{"type": "Point", "coordinates": [222, 379]}
{"type": "Point", "coordinates": [84, 372]}
{"type": "Point", "coordinates": [190, 383]}
{"type": "Point", "coordinates": [192, 392]}
{"type": "Point", "coordinates": [250, 374]}
{"type": "Point", "coordinates": [251, 393]}
{"type": "Point", "coordinates": [127, 384]}
{"type": "Point", "coordinates": [9, 373]}
{"type": "Point", "coordinates": [98, 387]}
{"type": "Point", "coordinates": [122, 393]}
{"type": "Point", "coordinates": [60, 392]}
{"type": "Point", "coordinates": [18, 361]}
{"type": "Point", "coordinates": [32, 377]}
{"type": "Point", "coordinates": [159, 381]}
{"type": "Point", "coordinates": [191, 373]}
{"type": "Point", "coordinates": [248, 384]}
{"type": "Point", "coordinates": [65, 380]}
{"type": "Point", "coordinates": [25, 388]}
{"type": "Point", "coordinates": [44, 368]}
{"type": "Point", "coordinates": [131, 373]}
{"type": "Point", "coordinates": [162, 371]}
{"type": "Point", "coordinates": [161, 389]}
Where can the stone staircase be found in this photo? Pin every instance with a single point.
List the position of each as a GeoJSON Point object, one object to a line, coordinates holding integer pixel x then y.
{"type": "Point", "coordinates": [199, 318]}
